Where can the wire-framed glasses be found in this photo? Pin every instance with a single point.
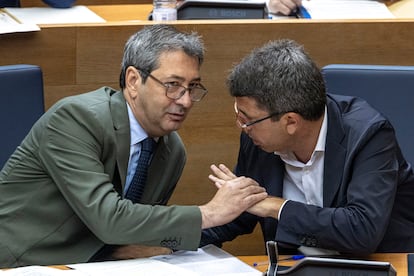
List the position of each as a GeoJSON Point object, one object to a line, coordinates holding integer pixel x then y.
{"type": "Point", "coordinates": [174, 91]}
{"type": "Point", "coordinates": [247, 124]}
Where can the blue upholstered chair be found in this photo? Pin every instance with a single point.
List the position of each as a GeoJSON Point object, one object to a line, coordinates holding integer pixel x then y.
{"type": "Point", "coordinates": [21, 92]}
{"type": "Point", "coordinates": [390, 89]}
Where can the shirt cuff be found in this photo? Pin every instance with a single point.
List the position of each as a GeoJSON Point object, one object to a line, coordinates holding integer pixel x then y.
{"type": "Point", "coordinates": [280, 210]}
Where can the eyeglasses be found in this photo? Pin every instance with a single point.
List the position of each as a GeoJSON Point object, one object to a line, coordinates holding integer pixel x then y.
{"type": "Point", "coordinates": [175, 91]}
{"type": "Point", "coordinates": [245, 125]}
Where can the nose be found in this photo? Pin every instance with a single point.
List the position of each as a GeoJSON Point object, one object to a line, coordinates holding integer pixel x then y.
{"type": "Point", "coordinates": [185, 100]}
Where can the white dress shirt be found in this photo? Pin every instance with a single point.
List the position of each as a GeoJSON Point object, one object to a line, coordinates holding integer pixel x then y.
{"type": "Point", "coordinates": [304, 182]}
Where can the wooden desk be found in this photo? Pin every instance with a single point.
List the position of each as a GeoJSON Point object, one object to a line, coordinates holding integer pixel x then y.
{"type": "Point", "coordinates": [82, 57]}
{"type": "Point", "coordinates": [398, 260]}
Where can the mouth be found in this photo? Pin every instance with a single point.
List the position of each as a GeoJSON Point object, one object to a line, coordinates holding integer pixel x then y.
{"type": "Point", "coordinates": [179, 117]}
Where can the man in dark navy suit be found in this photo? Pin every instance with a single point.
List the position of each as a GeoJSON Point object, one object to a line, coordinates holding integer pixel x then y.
{"type": "Point", "coordinates": [331, 163]}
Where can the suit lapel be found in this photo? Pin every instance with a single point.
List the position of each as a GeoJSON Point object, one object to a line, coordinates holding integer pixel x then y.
{"type": "Point", "coordinates": [122, 131]}
{"type": "Point", "coordinates": [335, 154]}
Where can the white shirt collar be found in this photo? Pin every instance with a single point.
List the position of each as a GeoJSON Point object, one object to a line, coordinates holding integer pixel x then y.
{"type": "Point", "coordinates": [137, 132]}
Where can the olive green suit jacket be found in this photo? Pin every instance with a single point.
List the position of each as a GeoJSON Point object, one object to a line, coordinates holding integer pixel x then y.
{"type": "Point", "coordinates": [61, 190]}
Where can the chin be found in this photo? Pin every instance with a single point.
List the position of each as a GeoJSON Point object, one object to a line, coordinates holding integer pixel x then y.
{"type": "Point", "coordinates": [263, 148]}
{"type": "Point", "coordinates": [173, 126]}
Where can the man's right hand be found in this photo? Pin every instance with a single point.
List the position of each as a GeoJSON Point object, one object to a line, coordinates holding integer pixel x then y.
{"type": "Point", "coordinates": [233, 197]}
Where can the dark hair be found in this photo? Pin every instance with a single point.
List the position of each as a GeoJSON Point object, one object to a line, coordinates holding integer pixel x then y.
{"type": "Point", "coordinates": [282, 78]}
{"type": "Point", "coordinates": [144, 48]}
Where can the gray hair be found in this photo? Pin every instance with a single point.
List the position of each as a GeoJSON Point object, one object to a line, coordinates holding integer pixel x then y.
{"type": "Point", "coordinates": [282, 78]}
{"type": "Point", "coordinates": [144, 48]}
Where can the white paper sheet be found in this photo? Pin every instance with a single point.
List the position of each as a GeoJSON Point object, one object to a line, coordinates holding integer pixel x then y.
{"type": "Point", "coordinates": [136, 267]}
{"type": "Point", "coordinates": [9, 25]}
{"type": "Point", "coordinates": [210, 260]}
{"type": "Point", "coordinates": [207, 261]}
{"type": "Point", "coordinates": [47, 15]}
{"type": "Point", "coordinates": [347, 9]}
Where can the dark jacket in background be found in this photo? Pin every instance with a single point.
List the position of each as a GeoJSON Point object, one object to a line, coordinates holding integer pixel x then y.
{"type": "Point", "coordinates": [52, 3]}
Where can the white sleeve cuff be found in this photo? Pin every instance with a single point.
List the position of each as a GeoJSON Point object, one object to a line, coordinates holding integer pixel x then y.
{"type": "Point", "coordinates": [280, 210]}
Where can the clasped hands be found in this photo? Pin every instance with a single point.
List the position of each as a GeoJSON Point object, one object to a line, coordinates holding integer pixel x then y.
{"type": "Point", "coordinates": [267, 207]}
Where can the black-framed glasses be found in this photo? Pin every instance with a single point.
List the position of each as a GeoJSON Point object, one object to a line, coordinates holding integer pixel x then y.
{"type": "Point", "coordinates": [245, 125]}
{"type": "Point", "coordinates": [175, 91]}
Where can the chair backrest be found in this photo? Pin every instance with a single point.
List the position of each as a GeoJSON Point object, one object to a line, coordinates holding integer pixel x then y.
{"type": "Point", "coordinates": [390, 89]}
{"type": "Point", "coordinates": [22, 103]}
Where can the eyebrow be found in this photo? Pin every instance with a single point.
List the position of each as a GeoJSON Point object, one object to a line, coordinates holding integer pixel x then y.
{"type": "Point", "coordinates": [197, 79]}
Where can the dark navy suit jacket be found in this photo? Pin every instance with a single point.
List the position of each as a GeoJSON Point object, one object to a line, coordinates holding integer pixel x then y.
{"type": "Point", "coordinates": [52, 3]}
{"type": "Point", "coordinates": [9, 3]}
{"type": "Point", "coordinates": [368, 189]}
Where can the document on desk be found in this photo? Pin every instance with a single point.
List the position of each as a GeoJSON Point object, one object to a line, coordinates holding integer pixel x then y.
{"type": "Point", "coordinates": [9, 24]}
{"type": "Point", "coordinates": [346, 9]}
{"type": "Point", "coordinates": [47, 15]}
{"type": "Point", "coordinates": [207, 261]}
{"type": "Point", "coordinates": [134, 267]}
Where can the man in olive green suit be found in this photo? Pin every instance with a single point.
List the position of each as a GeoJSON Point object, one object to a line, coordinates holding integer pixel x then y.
{"type": "Point", "coordinates": [62, 192]}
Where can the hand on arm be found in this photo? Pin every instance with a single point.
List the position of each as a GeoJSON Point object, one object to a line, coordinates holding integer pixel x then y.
{"type": "Point", "coordinates": [234, 196]}
{"type": "Point", "coordinates": [284, 7]}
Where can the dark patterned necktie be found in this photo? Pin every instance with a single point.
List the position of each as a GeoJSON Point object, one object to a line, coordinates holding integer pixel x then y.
{"type": "Point", "coordinates": [136, 188]}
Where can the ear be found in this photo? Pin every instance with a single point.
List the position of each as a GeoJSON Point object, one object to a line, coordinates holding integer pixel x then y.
{"type": "Point", "coordinates": [132, 81]}
{"type": "Point", "coordinates": [292, 122]}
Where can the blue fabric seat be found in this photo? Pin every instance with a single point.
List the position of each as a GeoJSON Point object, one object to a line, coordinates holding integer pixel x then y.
{"type": "Point", "coordinates": [21, 104]}
{"type": "Point", "coordinates": [390, 89]}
